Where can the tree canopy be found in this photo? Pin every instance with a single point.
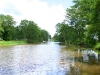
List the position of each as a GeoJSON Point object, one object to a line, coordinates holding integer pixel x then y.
{"type": "Point", "coordinates": [26, 30]}
{"type": "Point", "coordinates": [82, 23]}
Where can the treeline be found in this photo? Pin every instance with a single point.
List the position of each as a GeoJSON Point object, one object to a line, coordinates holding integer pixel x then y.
{"type": "Point", "coordinates": [26, 30]}
{"type": "Point", "coordinates": [82, 24]}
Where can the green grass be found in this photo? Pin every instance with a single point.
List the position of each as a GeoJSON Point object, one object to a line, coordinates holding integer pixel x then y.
{"type": "Point", "coordinates": [97, 51]}
{"type": "Point", "coordinates": [8, 43]}
{"type": "Point", "coordinates": [97, 46]}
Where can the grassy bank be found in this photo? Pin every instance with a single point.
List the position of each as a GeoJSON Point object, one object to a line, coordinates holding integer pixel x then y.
{"type": "Point", "coordinates": [8, 43]}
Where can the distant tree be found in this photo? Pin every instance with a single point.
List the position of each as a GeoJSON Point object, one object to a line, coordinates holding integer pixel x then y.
{"type": "Point", "coordinates": [65, 33]}
{"type": "Point", "coordinates": [27, 30]}
{"type": "Point", "coordinates": [33, 32]}
{"type": "Point", "coordinates": [44, 35]}
{"type": "Point", "coordinates": [23, 27]}
{"type": "Point", "coordinates": [56, 37]}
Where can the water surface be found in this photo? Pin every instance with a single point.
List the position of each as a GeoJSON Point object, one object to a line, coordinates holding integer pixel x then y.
{"type": "Point", "coordinates": [48, 59]}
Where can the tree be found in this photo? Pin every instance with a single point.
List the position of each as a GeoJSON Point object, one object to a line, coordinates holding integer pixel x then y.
{"type": "Point", "coordinates": [96, 19]}
{"type": "Point", "coordinates": [84, 16]}
{"type": "Point", "coordinates": [1, 29]}
{"type": "Point", "coordinates": [91, 11]}
{"type": "Point", "coordinates": [44, 35]}
{"type": "Point", "coordinates": [33, 33]}
{"type": "Point", "coordinates": [76, 18]}
{"type": "Point", "coordinates": [65, 33]}
{"type": "Point", "coordinates": [83, 23]}
{"type": "Point", "coordinates": [27, 30]}
{"type": "Point", "coordinates": [8, 27]}
{"type": "Point", "coordinates": [23, 27]}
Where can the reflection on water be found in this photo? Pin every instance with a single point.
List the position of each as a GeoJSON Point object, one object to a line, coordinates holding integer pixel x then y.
{"type": "Point", "coordinates": [81, 62]}
{"type": "Point", "coordinates": [48, 59]}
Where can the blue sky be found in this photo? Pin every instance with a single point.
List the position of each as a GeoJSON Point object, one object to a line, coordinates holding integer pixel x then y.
{"type": "Point", "coordinates": [64, 3]}
{"type": "Point", "coordinates": [46, 13]}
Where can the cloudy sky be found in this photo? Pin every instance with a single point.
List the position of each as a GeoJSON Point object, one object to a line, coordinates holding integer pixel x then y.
{"type": "Point", "coordinates": [46, 13]}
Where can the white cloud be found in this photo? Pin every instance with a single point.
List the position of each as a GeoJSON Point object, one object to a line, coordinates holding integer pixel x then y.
{"type": "Point", "coordinates": [46, 17]}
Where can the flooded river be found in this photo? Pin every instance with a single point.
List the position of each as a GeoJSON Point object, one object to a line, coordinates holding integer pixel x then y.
{"type": "Point", "coordinates": [48, 59]}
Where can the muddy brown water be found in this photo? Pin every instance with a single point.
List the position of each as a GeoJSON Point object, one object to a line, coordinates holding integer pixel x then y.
{"type": "Point", "coordinates": [48, 59]}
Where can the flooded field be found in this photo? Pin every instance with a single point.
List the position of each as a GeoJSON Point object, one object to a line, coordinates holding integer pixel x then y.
{"type": "Point", "coordinates": [48, 59]}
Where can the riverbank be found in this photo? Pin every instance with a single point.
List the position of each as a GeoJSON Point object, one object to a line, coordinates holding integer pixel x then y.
{"type": "Point", "coordinates": [9, 43]}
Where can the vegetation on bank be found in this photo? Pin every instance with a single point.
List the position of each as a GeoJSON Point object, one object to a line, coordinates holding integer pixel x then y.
{"type": "Point", "coordinates": [26, 30]}
{"type": "Point", "coordinates": [9, 43]}
{"type": "Point", "coordinates": [81, 25]}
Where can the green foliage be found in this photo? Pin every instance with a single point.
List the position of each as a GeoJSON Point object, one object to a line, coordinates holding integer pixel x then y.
{"type": "Point", "coordinates": [65, 33]}
{"type": "Point", "coordinates": [33, 32]}
{"type": "Point", "coordinates": [27, 30]}
{"type": "Point", "coordinates": [45, 35]}
{"type": "Point", "coordinates": [1, 29]}
{"type": "Point", "coordinates": [97, 46]}
{"type": "Point", "coordinates": [83, 24]}
{"type": "Point", "coordinates": [23, 27]}
{"type": "Point", "coordinates": [7, 25]}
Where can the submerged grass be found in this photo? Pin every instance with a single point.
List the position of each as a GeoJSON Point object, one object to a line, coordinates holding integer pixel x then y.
{"type": "Point", "coordinates": [76, 47]}
{"type": "Point", "coordinates": [73, 47]}
{"type": "Point", "coordinates": [8, 43]}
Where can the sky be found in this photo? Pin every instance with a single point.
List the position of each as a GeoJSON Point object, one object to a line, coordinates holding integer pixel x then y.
{"type": "Point", "coordinates": [45, 13]}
